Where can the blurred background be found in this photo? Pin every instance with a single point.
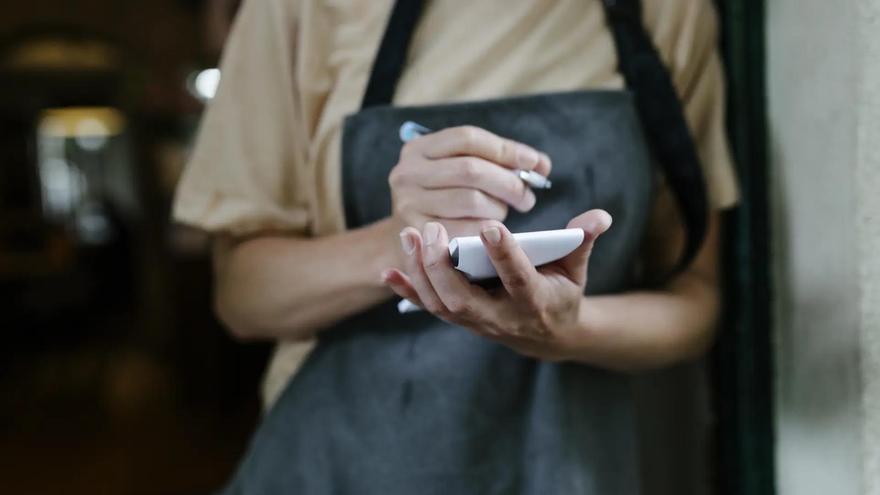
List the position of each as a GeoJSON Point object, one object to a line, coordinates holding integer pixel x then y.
{"type": "Point", "coordinates": [114, 376]}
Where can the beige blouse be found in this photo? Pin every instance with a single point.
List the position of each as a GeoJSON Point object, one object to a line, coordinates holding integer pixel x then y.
{"type": "Point", "coordinates": [267, 154]}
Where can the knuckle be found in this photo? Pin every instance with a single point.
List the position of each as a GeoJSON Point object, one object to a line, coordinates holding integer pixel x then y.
{"type": "Point", "coordinates": [518, 280]}
{"type": "Point", "coordinates": [518, 189]}
{"type": "Point", "coordinates": [505, 148]}
{"type": "Point", "coordinates": [490, 223]}
{"type": "Point", "coordinates": [503, 255]}
{"type": "Point", "coordinates": [431, 263]}
{"type": "Point", "coordinates": [435, 307]}
{"type": "Point", "coordinates": [470, 170]}
{"type": "Point", "coordinates": [468, 135]}
{"type": "Point", "coordinates": [473, 199]}
{"type": "Point", "coordinates": [395, 178]}
{"type": "Point", "coordinates": [408, 149]}
{"type": "Point", "coordinates": [549, 164]}
{"type": "Point", "coordinates": [460, 306]}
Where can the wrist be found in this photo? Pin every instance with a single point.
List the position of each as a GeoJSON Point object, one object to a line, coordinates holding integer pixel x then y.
{"type": "Point", "coordinates": [384, 251]}
{"type": "Point", "coordinates": [580, 333]}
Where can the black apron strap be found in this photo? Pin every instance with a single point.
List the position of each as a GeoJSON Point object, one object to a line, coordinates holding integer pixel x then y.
{"type": "Point", "coordinates": [656, 100]}
{"type": "Point", "coordinates": [662, 118]}
{"type": "Point", "coordinates": [391, 57]}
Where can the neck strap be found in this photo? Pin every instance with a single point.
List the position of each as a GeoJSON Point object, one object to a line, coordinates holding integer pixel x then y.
{"type": "Point", "coordinates": [391, 57]}
{"type": "Point", "coordinates": [663, 119]}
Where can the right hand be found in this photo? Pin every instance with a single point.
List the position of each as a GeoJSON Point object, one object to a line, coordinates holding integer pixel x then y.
{"type": "Point", "coordinates": [460, 177]}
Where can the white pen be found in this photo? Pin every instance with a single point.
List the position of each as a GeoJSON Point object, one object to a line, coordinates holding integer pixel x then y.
{"type": "Point", "coordinates": [410, 130]}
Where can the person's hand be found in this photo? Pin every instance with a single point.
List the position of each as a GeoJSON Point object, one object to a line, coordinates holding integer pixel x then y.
{"type": "Point", "coordinates": [461, 176]}
{"type": "Point", "coordinates": [536, 311]}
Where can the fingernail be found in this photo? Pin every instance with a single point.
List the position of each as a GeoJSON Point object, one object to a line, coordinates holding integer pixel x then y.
{"type": "Point", "coordinates": [407, 243]}
{"type": "Point", "coordinates": [492, 235]}
{"type": "Point", "coordinates": [598, 225]}
{"type": "Point", "coordinates": [526, 157]}
{"type": "Point", "coordinates": [591, 227]}
{"type": "Point", "coordinates": [432, 232]}
{"type": "Point", "coordinates": [545, 157]}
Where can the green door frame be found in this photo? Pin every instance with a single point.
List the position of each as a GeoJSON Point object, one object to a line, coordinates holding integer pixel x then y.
{"type": "Point", "coordinates": [743, 364]}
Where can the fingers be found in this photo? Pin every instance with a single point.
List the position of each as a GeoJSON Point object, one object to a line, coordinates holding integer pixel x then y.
{"type": "Point", "coordinates": [594, 223]}
{"type": "Point", "coordinates": [459, 203]}
{"type": "Point", "coordinates": [463, 158]}
{"type": "Point", "coordinates": [401, 285]}
{"type": "Point", "coordinates": [545, 165]}
{"type": "Point", "coordinates": [459, 228]}
{"type": "Point", "coordinates": [474, 141]}
{"type": "Point", "coordinates": [471, 172]}
{"type": "Point", "coordinates": [453, 289]}
{"type": "Point", "coordinates": [434, 284]}
{"type": "Point", "coordinates": [454, 227]}
{"type": "Point", "coordinates": [516, 272]}
{"type": "Point", "coordinates": [411, 240]}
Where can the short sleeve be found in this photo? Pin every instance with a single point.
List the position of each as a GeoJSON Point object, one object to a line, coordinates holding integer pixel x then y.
{"type": "Point", "coordinates": [686, 31]}
{"type": "Point", "coordinates": [246, 172]}
{"type": "Point", "coordinates": [705, 110]}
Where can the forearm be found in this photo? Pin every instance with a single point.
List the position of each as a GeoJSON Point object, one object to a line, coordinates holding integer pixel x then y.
{"type": "Point", "coordinates": [284, 287]}
{"type": "Point", "coordinates": [648, 329]}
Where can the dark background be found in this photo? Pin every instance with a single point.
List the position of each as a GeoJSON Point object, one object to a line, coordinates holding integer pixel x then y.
{"type": "Point", "coordinates": [114, 375]}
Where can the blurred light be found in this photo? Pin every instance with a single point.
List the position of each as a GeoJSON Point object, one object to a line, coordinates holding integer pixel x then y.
{"type": "Point", "coordinates": [91, 134]}
{"type": "Point", "coordinates": [62, 186]}
{"type": "Point", "coordinates": [66, 180]}
{"type": "Point", "coordinates": [61, 53]}
{"type": "Point", "coordinates": [77, 122]}
{"type": "Point", "coordinates": [204, 84]}
{"type": "Point", "coordinates": [52, 126]}
{"type": "Point", "coordinates": [92, 225]}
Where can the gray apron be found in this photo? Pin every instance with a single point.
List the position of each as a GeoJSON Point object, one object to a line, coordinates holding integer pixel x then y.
{"type": "Point", "coordinates": [406, 404]}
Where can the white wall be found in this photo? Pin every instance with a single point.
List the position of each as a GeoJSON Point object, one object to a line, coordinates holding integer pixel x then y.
{"type": "Point", "coordinates": [868, 193]}
{"type": "Point", "coordinates": [824, 103]}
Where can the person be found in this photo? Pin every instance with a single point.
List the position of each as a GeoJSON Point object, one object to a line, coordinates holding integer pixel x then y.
{"type": "Point", "coordinates": [320, 216]}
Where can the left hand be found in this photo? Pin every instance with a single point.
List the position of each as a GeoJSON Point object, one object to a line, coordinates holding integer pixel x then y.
{"type": "Point", "coordinates": [536, 312]}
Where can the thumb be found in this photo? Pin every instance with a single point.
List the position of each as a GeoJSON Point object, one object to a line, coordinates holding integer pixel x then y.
{"type": "Point", "coordinates": [594, 223]}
